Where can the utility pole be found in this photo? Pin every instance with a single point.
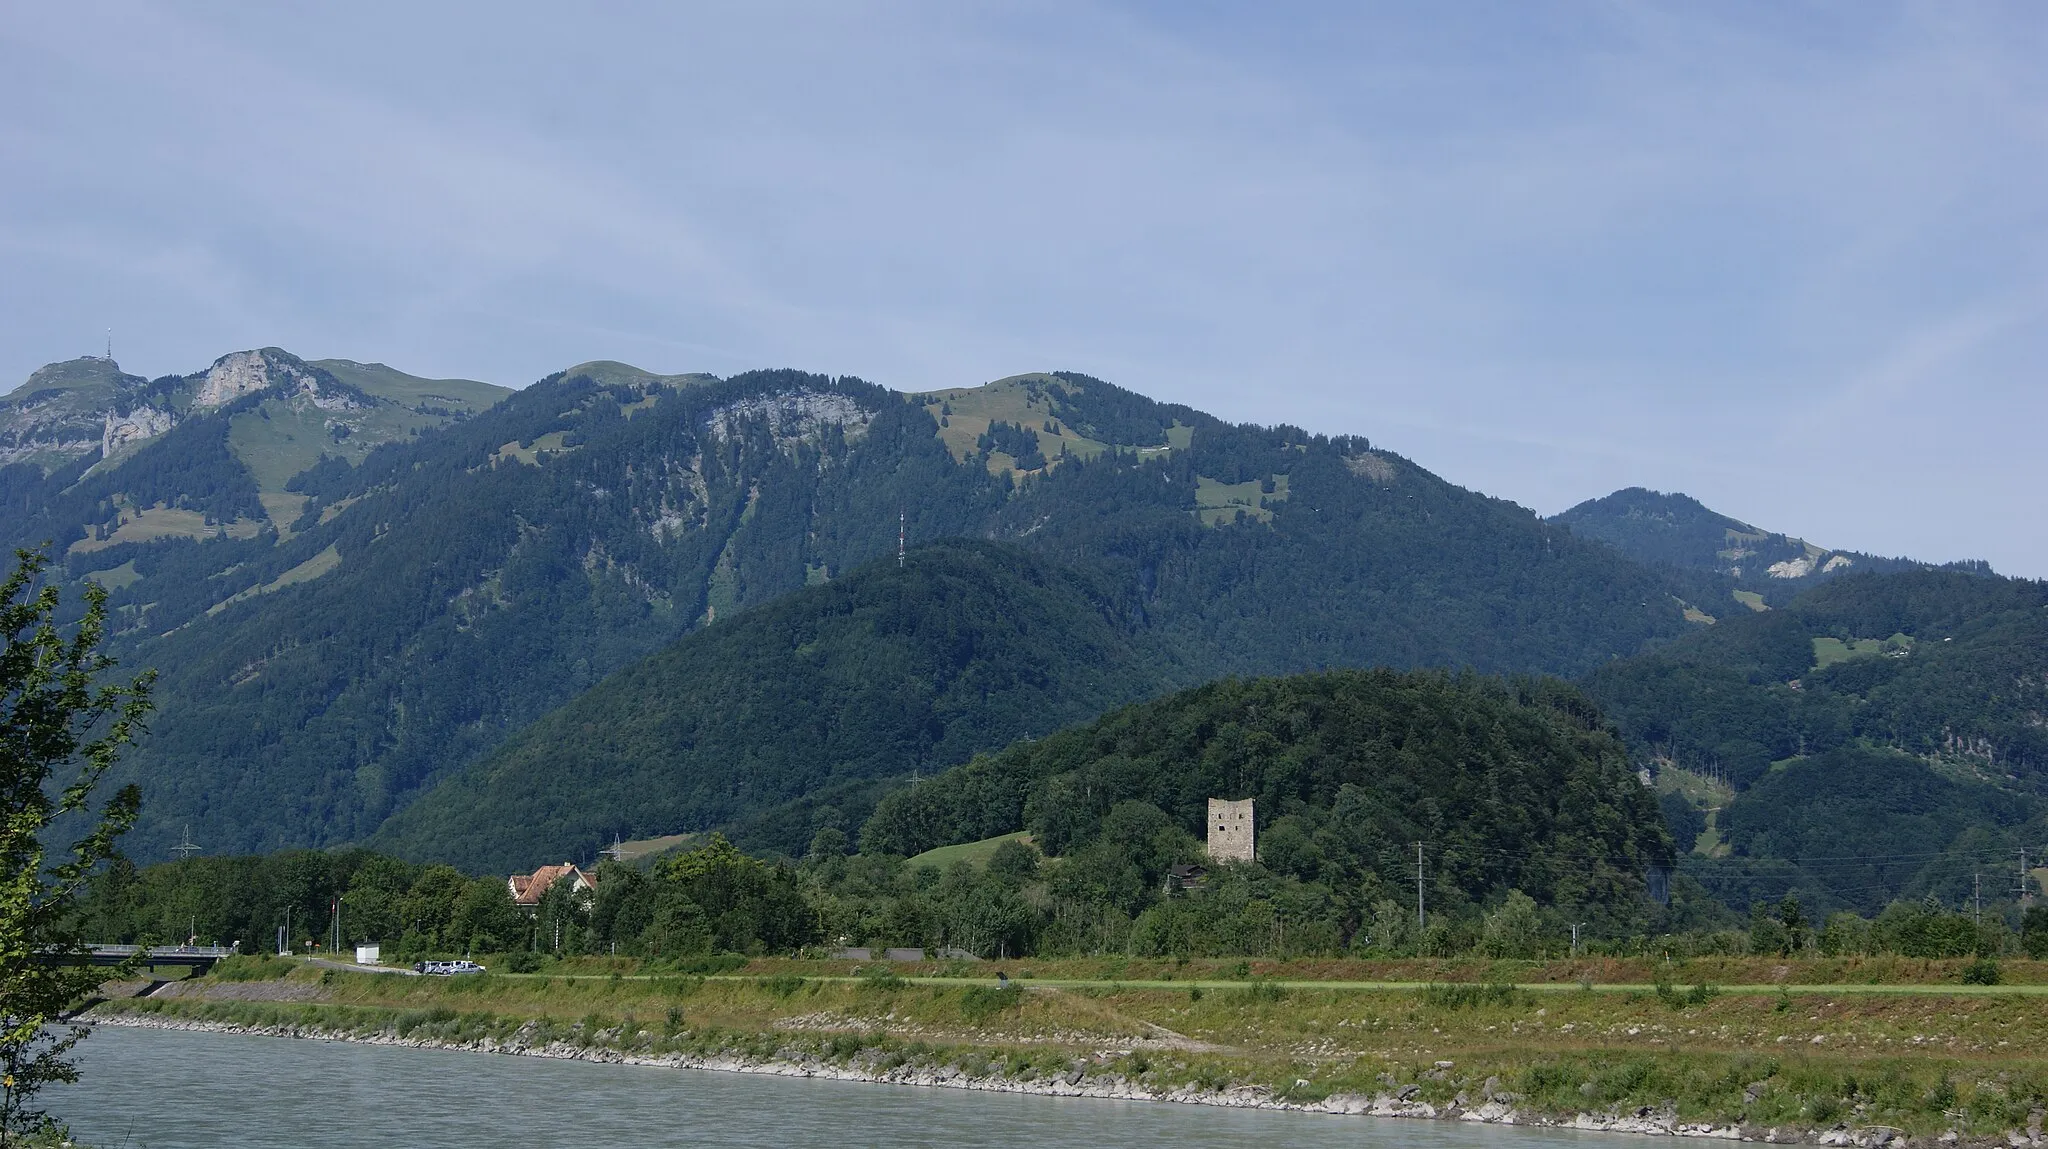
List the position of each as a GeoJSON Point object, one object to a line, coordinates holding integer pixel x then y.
{"type": "Point", "coordinates": [901, 519]}
{"type": "Point", "coordinates": [1421, 918]}
{"type": "Point", "coordinates": [2024, 896]}
{"type": "Point", "coordinates": [1979, 882]}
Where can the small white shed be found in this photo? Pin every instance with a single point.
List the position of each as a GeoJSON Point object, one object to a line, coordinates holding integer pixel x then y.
{"type": "Point", "coordinates": [369, 955]}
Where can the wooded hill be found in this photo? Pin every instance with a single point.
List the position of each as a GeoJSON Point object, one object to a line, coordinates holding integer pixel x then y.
{"type": "Point", "coordinates": [1880, 736]}
{"type": "Point", "coordinates": [426, 602]}
{"type": "Point", "coordinates": [1509, 785]}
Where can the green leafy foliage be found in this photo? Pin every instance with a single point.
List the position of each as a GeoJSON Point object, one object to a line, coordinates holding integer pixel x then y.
{"type": "Point", "coordinates": [62, 726]}
{"type": "Point", "coordinates": [1513, 786]}
{"type": "Point", "coordinates": [414, 909]}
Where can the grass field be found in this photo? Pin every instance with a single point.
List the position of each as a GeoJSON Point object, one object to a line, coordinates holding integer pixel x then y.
{"type": "Point", "coordinates": [114, 578]}
{"type": "Point", "coordinates": [159, 522]}
{"type": "Point", "coordinates": [614, 372]}
{"type": "Point", "coordinates": [390, 383]}
{"type": "Point", "coordinates": [530, 453]}
{"type": "Point", "coordinates": [973, 853]}
{"type": "Point", "coordinates": [1751, 599]}
{"type": "Point", "coordinates": [1829, 651]}
{"type": "Point", "coordinates": [320, 564]}
{"type": "Point", "coordinates": [1218, 503]}
{"type": "Point", "coordinates": [964, 415]}
{"type": "Point", "coordinates": [1801, 1046]}
{"type": "Point", "coordinates": [642, 847]}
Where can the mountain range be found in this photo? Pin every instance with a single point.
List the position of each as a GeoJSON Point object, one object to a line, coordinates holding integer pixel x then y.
{"type": "Point", "coordinates": [486, 626]}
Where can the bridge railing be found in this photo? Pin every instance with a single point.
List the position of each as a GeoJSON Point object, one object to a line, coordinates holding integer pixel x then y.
{"type": "Point", "coordinates": [121, 951]}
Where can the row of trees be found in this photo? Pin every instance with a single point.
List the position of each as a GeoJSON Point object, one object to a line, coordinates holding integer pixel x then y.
{"type": "Point", "coordinates": [1112, 897]}
{"type": "Point", "coordinates": [1922, 929]}
{"type": "Point", "coordinates": [310, 894]}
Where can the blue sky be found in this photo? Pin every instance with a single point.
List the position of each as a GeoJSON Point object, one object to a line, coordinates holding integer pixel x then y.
{"type": "Point", "coordinates": [1789, 258]}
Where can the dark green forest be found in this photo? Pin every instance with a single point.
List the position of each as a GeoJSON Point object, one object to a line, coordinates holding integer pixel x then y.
{"type": "Point", "coordinates": [1526, 807]}
{"type": "Point", "coordinates": [876, 676]}
{"type": "Point", "coordinates": [1508, 785]}
{"type": "Point", "coordinates": [1882, 735]}
{"type": "Point", "coordinates": [1675, 532]}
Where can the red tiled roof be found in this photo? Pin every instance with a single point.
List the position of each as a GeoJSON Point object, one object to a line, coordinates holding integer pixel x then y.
{"type": "Point", "coordinates": [528, 889]}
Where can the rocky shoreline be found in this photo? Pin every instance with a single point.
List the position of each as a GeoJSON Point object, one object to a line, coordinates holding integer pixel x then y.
{"type": "Point", "coordinates": [1079, 1082]}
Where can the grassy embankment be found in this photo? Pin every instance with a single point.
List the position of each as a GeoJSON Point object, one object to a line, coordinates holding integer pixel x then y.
{"type": "Point", "coordinates": [1863, 1042]}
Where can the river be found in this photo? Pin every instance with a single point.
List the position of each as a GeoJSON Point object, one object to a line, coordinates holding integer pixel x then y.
{"type": "Point", "coordinates": [168, 1089]}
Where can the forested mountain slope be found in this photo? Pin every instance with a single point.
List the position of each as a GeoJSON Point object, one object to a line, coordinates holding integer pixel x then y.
{"type": "Point", "coordinates": [422, 603]}
{"type": "Point", "coordinates": [1676, 531]}
{"type": "Point", "coordinates": [1880, 736]}
{"type": "Point", "coordinates": [884, 672]}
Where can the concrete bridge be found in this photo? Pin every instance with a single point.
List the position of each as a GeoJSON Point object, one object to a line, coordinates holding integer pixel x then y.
{"type": "Point", "coordinates": [199, 958]}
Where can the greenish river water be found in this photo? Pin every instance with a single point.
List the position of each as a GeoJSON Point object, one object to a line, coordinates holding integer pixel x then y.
{"type": "Point", "coordinates": [165, 1089]}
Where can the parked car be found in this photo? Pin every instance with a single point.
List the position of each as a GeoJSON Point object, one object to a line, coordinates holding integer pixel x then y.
{"type": "Point", "coordinates": [447, 968]}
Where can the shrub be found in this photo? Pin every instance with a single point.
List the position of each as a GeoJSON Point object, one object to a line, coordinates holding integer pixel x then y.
{"type": "Point", "coordinates": [1265, 991]}
{"type": "Point", "coordinates": [882, 979]}
{"type": "Point", "coordinates": [1677, 998]}
{"type": "Point", "coordinates": [1451, 995]}
{"type": "Point", "coordinates": [1983, 971]}
{"type": "Point", "coordinates": [982, 1001]}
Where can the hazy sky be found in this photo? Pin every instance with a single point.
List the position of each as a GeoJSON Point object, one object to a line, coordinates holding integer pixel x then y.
{"type": "Point", "coordinates": [1789, 258]}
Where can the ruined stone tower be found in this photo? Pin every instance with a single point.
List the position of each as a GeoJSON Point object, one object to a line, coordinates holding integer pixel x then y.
{"type": "Point", "coordinates": [1230, 831]}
